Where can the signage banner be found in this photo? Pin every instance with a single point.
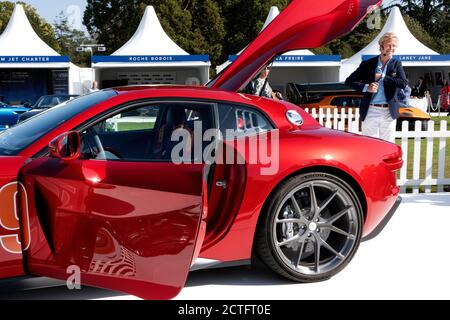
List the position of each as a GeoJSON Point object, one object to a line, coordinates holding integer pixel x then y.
{"type": "Point", "coordinates": [34, 59]}
{"type": "Point", "coordinates": [301, 58]}
{"type": "Point", "coordinates": [415, 57]}
{"type": "Point", "coordinates": [150, 59]}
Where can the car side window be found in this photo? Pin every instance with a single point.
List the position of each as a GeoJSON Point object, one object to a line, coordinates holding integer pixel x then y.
{"type": "Point", "coordinates": [237, 120]}
{"type": "Point", "coordinates": [147, 133]}
{"type": "Point", "coordinates": [351, 102]}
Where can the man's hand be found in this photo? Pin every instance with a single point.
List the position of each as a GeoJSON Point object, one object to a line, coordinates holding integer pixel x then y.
{"type": "Point", "coordinates": [373, 87]}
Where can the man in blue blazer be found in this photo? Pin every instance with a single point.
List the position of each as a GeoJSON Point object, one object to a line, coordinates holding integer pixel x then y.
{"type": "Point", "coordinates": [380, 78]}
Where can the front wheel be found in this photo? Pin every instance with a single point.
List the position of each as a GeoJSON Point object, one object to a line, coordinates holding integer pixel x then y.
{"type": "Point", "coordinates": [310, 228]}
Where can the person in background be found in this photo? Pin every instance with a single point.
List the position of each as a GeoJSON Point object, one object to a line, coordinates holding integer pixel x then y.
{"type": "Point", "coordinates": [419, 89]}
{"type": "Point", "coordinates": [94, 87]}
{"type": "Point", "coordinates": [403, 97]}
{"type": "Point", "coordinates": [444, 96]}
{"type": "Point", "coordinates": [261, 87]}
{"type": "Point", "coordinates": [380, 78]}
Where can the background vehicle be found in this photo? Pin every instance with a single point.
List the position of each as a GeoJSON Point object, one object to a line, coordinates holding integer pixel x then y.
{"type": "Point", "coordinates": [9, 115]}
{"type": "Point", "coordinates": [44, 103]}
{"type": "Point", "coordinates": [338, 95]}
{"type": "Point", "coordinates": [82, 189]}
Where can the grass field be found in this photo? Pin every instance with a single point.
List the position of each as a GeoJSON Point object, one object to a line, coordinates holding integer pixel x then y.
{"type": "Point", "coordinates": [423, 149]}
{"type": "Point", "coordinates": [131, 126]}
{"type": "Point", "coordinates": [437, 122]}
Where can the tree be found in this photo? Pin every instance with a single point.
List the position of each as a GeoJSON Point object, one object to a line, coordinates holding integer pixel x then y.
{"type": "Point", "coordinates": [69, 39]}
{"type": "Point", "coordinates": [112, 22]}
{"type": "Point", "coordinates": [217, 28]}
{"type": "Point", "coordinates": [43, 29]}
{"type": "Point", "coordinates": [244, 19]}
{"type": "Point", "coordinates": [429, 21]}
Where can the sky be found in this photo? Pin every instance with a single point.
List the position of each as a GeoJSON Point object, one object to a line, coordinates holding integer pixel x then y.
{"type": "Point", "coordinates": [74, 9]}
{"type": "Point", "coordinates": [49, 9]}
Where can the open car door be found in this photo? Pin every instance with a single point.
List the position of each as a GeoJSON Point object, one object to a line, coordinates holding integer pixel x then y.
{"type": "Point", "coordinates": [130, 227]}
{"type": "Point", "coordinates": [303, 24]}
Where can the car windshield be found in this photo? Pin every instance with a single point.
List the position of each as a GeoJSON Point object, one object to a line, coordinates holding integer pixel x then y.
{"type": "Point", "coordinates": [17, 138]}
{"type": "Point", "coordinates": [50, 101]}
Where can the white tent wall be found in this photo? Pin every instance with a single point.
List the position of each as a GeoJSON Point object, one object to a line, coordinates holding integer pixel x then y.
{"type": "Point", "coordinates": [80, 80]}
{"type": "Point", "coordinates": [86, 78]}
{"type": "Point", "coordinates": [153, 75]}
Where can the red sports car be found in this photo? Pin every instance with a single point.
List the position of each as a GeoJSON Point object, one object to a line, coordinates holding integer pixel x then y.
{"type": "Point", "coordinates": [103, 187]}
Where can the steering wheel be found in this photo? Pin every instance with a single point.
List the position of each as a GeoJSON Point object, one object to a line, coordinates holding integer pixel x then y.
{"type": "Point", "coordinates": [96, 149]}
{"type": "Point", "coordinates": [110, 153]}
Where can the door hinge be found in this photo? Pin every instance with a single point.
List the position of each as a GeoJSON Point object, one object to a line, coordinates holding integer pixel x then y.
{"type": "Point", "coordinates": [221, 184]}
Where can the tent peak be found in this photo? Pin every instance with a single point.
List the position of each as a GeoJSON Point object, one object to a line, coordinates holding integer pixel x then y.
{"type": "Point", "coordinates": [273, 13]}
{"type": "Point", "coordinates": [150, 38]}
{"type": "Point", "coordinates": [20, 39]}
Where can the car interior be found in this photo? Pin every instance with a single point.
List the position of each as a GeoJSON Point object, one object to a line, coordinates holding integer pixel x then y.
{"type": "Point", "coordinates": [144, 133]}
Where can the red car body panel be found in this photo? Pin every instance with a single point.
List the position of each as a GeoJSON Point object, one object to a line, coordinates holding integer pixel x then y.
{"type": "Point", "coordinates": [10, 249]}
{"type": "Point", "coordinates": [313, 148]}
{"type": "Point", "coordinates": [96, 214]}
{"type": "Point", "coordinates": [320, 148]}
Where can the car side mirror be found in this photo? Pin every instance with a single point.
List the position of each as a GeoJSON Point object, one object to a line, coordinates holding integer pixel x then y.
{"type": "Point", "coordinates": [66, 147]}
{"type": "Point", "coordinates": [27, 105]}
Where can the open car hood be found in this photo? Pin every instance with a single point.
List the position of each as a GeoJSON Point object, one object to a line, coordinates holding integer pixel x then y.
{"type": "Point", "coordinates": [303, 24]}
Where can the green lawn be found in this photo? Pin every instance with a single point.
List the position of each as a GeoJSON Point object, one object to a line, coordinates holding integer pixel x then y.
{"type": "Point", "coordinates": [437, 122]}
{"type": "Point", "coordinates": [131, 126]}
{"type": "Point", "coordinates": [423, 149]}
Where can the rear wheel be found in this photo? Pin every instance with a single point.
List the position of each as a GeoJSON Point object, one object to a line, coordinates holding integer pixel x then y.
{"type": "Point", "coordinates": [311, 227]}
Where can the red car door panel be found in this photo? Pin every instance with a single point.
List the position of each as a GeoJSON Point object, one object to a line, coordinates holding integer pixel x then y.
{"type": "Point", "coordinates": [128, 226]}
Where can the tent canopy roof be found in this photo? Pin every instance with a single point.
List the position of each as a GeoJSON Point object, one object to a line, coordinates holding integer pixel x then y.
{"type": "Point", "coordinates": [19, 38]}
{"type": "Point", "coordinates": [150, 39]}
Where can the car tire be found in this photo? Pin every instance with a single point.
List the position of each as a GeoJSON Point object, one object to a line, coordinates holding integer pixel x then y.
{"type": "Point", "coordinates": [332, 227]}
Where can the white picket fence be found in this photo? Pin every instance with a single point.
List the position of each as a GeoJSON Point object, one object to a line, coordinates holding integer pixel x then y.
{"type": "Point", "coordinates": [427, 171]}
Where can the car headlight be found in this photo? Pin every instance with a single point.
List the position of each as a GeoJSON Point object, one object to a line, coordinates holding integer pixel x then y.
{"type": "Point", "coordinates": [294, 117]}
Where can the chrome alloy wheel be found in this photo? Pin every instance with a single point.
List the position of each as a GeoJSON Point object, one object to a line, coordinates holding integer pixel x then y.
{"type": "Point", "coordinates": [316, 227]}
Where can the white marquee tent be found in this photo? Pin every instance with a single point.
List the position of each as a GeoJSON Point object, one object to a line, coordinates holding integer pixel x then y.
{"type": "Point", "coordinates": [150, 57]}
{"type": "Point", "coordinates": [299, 66]}
{"type": "Point", "coordinates": [418, 60]}
{"type": "Point", "coordinates": [29, 68]}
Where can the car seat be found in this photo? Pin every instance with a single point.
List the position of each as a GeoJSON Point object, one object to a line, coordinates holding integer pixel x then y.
{"type": "Point", "coordinates": [175, 119]}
